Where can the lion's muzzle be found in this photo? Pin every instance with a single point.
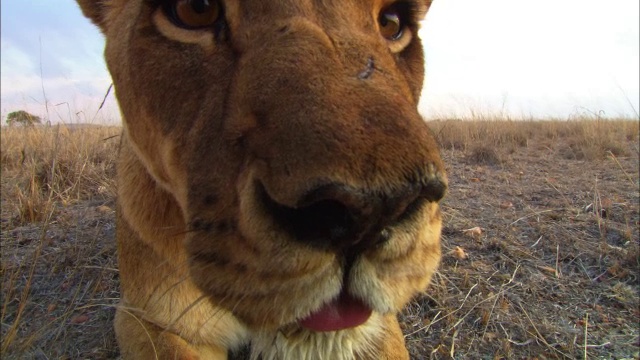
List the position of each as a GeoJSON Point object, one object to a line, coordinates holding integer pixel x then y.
{"type": "Point", "coordinates": [327, 182]}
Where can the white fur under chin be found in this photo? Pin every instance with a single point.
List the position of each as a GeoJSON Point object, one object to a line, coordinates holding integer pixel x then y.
{"type": "Point", "coordinates": [302, 344]}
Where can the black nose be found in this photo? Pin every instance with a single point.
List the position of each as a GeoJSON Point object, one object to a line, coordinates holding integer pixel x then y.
{"type": "Point", "coordinates": [339, 217]}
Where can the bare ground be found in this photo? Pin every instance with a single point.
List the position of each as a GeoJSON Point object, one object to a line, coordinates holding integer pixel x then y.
{"type": "Point", "coordinates": [552, 272]}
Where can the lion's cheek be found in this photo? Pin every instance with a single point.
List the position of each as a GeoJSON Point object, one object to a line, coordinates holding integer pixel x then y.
{"type": "Point", "coordinates": [268, 291]}
{"type": "Point", "coordinates": [388, 278]}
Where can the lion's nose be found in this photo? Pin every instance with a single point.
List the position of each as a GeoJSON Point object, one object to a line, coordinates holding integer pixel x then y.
{"type": "Point", "coordinates": [339, 217]}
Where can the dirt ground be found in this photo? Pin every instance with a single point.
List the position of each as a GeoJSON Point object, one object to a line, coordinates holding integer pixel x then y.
{"type": "Point", "coordinates": [540, 261]}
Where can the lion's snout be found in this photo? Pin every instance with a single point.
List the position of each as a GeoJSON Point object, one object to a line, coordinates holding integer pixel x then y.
{"type": "Point", "coordinates": [349, 219]}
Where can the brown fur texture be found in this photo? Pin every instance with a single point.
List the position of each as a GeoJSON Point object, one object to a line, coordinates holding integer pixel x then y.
{"type": "Point", "coordinates": [242, 142]}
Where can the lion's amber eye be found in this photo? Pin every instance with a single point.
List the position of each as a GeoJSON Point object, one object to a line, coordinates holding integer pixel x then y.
{"type": "Point", "coordinates": [194, 14]}
{"type": "Point", "coordinates": [391, 26]}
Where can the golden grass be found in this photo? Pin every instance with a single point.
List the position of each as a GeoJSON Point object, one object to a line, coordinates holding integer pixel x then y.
{"type": "Point", "coordinates": [585, 139]}
{"type": "Point", "coordinates": [59, 165]}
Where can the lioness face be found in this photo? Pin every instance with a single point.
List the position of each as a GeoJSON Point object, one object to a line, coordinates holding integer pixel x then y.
{"type": "Point", "coordinates": [288, 134]}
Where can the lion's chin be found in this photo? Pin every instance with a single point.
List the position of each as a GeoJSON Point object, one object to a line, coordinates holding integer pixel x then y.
{"type": "Point", "coordinates": [341, 313]}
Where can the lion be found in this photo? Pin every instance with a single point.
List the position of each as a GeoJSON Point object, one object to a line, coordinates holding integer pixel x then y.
{"type": "Point", "coordinates": [277, 188]}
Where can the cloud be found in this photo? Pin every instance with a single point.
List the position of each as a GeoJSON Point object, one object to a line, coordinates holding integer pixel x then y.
{"type": "Point", "coordinates": [49, 45]}
{"type": "Point", "coordinates": [547, 58]}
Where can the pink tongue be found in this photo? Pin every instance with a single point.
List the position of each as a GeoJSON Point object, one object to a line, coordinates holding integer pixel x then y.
{"type": "Point", "coordinates": [341, 313]}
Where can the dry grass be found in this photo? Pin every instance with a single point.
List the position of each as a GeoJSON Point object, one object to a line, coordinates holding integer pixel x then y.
{"type": "Point", "coordinates": [59, 165]}
{"type": "Point", "coordinates": [584, 139]}
{"type": "Point", "coordinates": [552, 274]}
{"type": "Point", "coordinates": [57, 269]}
{"type": "Point", "coordinates": [555, 270]}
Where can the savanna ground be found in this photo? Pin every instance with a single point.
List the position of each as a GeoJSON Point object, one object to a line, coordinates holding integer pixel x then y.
{"type": "Point", "coordinates": [540, 244]}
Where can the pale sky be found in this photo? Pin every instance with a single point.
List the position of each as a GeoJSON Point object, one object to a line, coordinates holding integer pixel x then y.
{"type": "Point", "coordinates": [517, 58]}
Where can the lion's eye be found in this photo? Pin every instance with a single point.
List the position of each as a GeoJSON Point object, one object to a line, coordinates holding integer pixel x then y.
{"type": "Point", "coordinates": [391, 24]}
{"type": "Point", "coordinates": [193, 14]}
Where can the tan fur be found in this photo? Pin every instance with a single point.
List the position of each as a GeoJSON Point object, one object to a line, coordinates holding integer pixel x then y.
{"type": "Point", "coordinates": [290, 97]}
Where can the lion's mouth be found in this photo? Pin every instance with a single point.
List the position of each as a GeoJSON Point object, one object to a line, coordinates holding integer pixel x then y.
{"type": "Point", "coordinates": [342, 225]}
{"type": "Point", "coordinates": [343, 312]}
